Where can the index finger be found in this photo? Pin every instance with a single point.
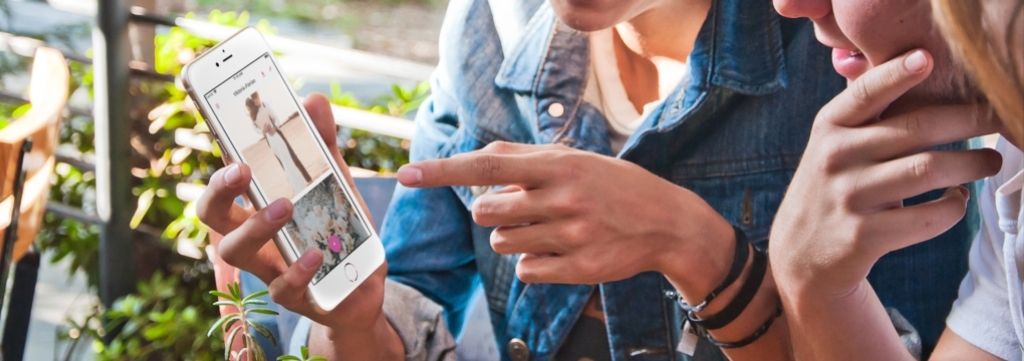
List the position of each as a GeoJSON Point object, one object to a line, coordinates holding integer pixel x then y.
{"type": "Point", "coordinates": [865, 98]}
{"type": "Point", "coordinates": [476, 169]}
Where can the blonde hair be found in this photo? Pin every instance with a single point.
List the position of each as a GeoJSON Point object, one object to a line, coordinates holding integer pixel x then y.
{"type": "Point", "coordinates": [992, 63]}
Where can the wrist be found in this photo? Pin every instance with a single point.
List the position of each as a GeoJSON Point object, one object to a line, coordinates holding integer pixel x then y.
{"type": "Point", "coordinates": [702, 255]}
{"type": "Point", "coordinates": [798, 287]}
{"type": "Point", "coordinates": [380, 341]}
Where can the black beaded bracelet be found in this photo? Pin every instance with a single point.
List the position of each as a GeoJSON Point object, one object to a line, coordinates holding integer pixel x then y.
{"type": "Point", "coordinates": [739, 260]}
{"type": "Point", "coordinates": [751, 285]}
{"type": "Point", "coordinates": [753, 336]}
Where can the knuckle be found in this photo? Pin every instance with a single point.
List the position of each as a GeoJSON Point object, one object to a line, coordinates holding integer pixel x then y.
{"type": "Point", "coordinates": [575, 231]}
{"type": "Point", "coordinates": [826, 117]}
{"type": "Point", "coordinates": [498, 146]}
{"type": "Point", "coordinates": [570, 165]}
{"type": "Point", "coordinates": [487, 165]}
{"type": "Point", "coordinates": [568, 203]}
{"type": "Point", "coordinates": [861, 92]}
{"type": "Point", "coordinates": [526, 274]}
{"type": "Point", "coordinates": [278, 296]}
{"type": "Point", "coordinates": [847, 198]}
{"type": "Point", "coordinates": [481, 210]}
{"type": "Point", "coordinates": [980, 117]}
{"type": "Point", "coordinates": [850, 191]}
{"type": "Point", "coordinates": [833, 159]}
{"type": "Point", "coordinates": [923, 166]}
{"type": "Point", "coordinates": [227, 253]}
{"type": "Point", "coordinates": [913, 124]}
{"type": "Point", "coordinates": [499, 243]}
{"type": "Point", "coordinates": [203, 211]}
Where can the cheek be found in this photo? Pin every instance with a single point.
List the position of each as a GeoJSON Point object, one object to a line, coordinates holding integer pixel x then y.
{"type": "Point", "coordinates": [886, 29]}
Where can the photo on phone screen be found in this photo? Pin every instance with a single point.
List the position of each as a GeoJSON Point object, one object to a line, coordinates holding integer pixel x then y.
{"type": "Point", "coordinates": [265, 128]}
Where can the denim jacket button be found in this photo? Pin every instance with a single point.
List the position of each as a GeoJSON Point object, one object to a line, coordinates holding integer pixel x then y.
{"type": "Point", "coordinates": [556, 110]}
{"type": "Point", "coordinates": [517, 350]}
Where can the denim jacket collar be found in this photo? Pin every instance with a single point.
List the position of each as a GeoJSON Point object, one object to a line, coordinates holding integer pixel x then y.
{"type": "Point", "coordinates": [733, 26]}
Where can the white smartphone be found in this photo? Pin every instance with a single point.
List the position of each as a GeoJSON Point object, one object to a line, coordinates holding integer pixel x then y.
{"type": "Point", "coordinates": [259, 121]}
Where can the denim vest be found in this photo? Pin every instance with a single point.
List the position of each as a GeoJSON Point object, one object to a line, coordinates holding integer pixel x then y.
{"type": "Point", "coordinates": [733, 135]}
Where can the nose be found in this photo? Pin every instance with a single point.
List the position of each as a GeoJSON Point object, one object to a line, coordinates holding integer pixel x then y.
{"type": "Point", "coordinates": [811, 9]}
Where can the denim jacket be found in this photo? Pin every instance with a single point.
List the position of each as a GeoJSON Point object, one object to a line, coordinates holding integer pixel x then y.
{"type": "Point", "coordinates": [733, 135]}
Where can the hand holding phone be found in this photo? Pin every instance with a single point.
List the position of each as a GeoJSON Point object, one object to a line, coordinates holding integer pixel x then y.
{"type": "Point", "coordinates": [290, 168]}
{"type": "Point", "coordinates": [246, 245]}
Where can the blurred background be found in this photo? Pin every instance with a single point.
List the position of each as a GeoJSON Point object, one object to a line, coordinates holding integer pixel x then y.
{"type": "Point", "coordinates": [63, 263]}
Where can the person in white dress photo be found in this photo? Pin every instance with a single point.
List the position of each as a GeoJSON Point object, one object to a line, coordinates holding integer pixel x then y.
{"type": "Point", "coordinates": [266, 125]}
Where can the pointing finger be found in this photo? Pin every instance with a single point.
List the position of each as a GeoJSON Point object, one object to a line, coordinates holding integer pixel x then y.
{"type": "Point", "coordinates": [476, 169]}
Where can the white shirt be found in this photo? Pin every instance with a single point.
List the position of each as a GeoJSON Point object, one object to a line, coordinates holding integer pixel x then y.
{"type": "Point", "coordinates": [606, 92]}
{"type": "Point", "coordinates": [988, 312]}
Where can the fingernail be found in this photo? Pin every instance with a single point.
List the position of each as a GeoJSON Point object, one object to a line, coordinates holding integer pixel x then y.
{"type": "Point", "coordinates": [964, 191]}
{"type": "Point", "coordinates": [233, 174]}
{"type": "Point", "coordinates": [310, 259]}
{"type": "Point", "coordinates": [278, 209]}
{"type": "Point", "coordinates": [916, 62]}
{"type": "Point", "coordinates": [410, 175]}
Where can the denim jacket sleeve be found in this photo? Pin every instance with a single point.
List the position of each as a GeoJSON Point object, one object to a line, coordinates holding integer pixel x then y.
{"type": "Point", "coordinates": [427, 233]}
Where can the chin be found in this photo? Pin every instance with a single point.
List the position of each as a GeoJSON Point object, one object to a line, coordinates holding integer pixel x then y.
{"type": "Point", "coordinates": [585, 16]}
{"type": "Point", "coordinates": [585, 25]}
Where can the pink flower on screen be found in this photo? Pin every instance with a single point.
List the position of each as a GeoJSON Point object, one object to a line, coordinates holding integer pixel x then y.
{"type": "Point", "coordinates": [334, 243]}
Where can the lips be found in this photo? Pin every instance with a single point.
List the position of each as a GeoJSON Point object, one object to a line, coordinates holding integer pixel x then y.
{"type": "Point", "coordinates": [849, 63]}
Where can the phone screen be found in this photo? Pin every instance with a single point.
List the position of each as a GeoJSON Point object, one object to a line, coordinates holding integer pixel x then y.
{"type": "Point", "coordinates": [263, 124]}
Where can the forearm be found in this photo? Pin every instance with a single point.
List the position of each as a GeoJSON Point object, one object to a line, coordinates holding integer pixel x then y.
{"type": "Point", "coordinates": [852, 326]}
{"type": "Point", "coordinates": [380, 342]}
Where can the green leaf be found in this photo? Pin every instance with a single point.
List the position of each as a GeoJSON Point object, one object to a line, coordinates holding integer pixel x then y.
{"type": "Point", "coordinates": [256, 302]}
{"type": "Point", "coordinates": [263, 331]}
{"type": "Point", "coordinates": [230, 341]}
{"type": "Point", "coordinates": [155, 332]}
{"type": "Point", "coordinates": [220, 322]}
{"type": "Point", "coordinates": [262, 311]}
{"type": "Point", "coordinates": [255, 295]}
{"type": "Point", "coordinates": [220, 294]}
{"type": "Point", "coordinates": [226, 303]}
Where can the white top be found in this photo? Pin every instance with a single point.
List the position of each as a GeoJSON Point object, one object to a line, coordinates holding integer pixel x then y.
{"type": "Point", "coordinates": [988, 312]}
{"type": "Point", "coordinates": [606, 91]}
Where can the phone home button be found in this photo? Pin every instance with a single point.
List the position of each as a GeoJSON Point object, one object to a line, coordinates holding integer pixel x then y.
{"type": "Point", "coordinates": [351, 272]}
